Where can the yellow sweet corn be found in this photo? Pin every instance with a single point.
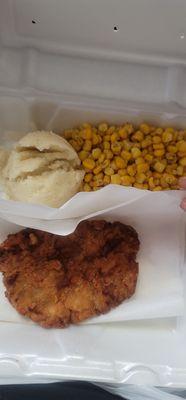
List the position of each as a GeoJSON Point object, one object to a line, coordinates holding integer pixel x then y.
{"type": "Point", "coordinates": [103, 127]}
{"type": "Point", "coordinates": [138, 135]}
{"type": "Point", "coordinates": [89, 163]}
{"type": "Point", "coordinates": [159, 166]}
{"type": "Point", "coordinates": [97, 169]}
{"type": "Point", "coordinates": [142, 168]}
{"type": "Point", "coordinates": [96, 153]}
{"type": "Point", "coordinates": [120, 162]}
{"type": "Point", "coordinates": [88, 177]}
{"type": "Point", "coordinates": [131, 169]}
{"type": "Point", "coordinates": [146, 156]}
{"type": "Point", "coordinates": [126, 180]}
{"type": "Point", "coordinates": [116, 179]}
{"type": "Point", "coordinates": [135, 152]}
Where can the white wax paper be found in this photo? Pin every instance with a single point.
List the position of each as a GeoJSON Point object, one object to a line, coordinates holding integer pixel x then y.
{"type": "Point", "coordinates": [160, 224]}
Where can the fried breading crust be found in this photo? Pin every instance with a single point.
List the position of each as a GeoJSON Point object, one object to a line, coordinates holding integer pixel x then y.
{"type": "Point", "coordinates": [59, 280]}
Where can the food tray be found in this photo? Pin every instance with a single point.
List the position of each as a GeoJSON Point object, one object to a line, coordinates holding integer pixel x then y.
{"type": "Point", "coordinates": [67, 62]}
{"type": "Point", "coordinates": [149, 352]}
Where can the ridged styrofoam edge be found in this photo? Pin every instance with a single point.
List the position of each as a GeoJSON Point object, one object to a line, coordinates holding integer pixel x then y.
{"type": "Point", "coordinates": [59, 74]}
{"type": "Point", "coordinates": [30, 368]}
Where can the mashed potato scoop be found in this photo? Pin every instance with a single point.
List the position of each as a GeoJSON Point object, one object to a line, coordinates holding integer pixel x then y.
{"type": "Point", "coordinates": [43, 168]}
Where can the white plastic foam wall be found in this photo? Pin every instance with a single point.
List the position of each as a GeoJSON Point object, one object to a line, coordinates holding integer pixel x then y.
{"type": "Point", "coordinates": [133, 50]}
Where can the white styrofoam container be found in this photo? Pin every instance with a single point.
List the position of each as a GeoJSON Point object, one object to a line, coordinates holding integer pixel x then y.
{"type": "Point", "coordinates": [83, 60]}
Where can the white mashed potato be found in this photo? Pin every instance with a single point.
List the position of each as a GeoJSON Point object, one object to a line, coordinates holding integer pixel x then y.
{"type": "Point", "coordinates": [43, 168]}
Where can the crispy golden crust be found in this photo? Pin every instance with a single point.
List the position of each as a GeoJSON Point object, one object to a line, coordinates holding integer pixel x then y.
{"type": "Point", "coordinates": [59, 280]}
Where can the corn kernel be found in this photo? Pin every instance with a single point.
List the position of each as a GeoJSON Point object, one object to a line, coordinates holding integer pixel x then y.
{"type": "Point", "coordinates": [181, 145]}
{"type": "Point", "coordinates": [106, 180]}
{"type": "Point", "coordinates": [111, 129]}
{"type": "Point", "coordinates": [109, 171]}
{"type": "Point", "coordinates": [170, 130]}
{"type": "Point", "coordinates": [114, 137]}
{"type": "Point", "coordinates": [76, 146]}
{"type": "Point", "coordinates": [87, 145]}
{"type": "Point", "coordinates": [106, 145]}
{"type": "Point", "coordinates": [180, 135]}
{"type": "Point", "coordinates": [116, 179]}
{"type": "Point", "coordinates": [122, 171]}
{"type": "Point", "coordinates": [96, 153]}
{"type": "Point", "coordinates": [151, 183]}
{"type": "Point", "coordinates": [170, 179]}
{"type": "Point", "coordinates": [142, 168]}
{"type": "Point", "coordinates": [88, 177]}
{"type": "Point", "coordinates": [145, 186]}
{"type": "Point", "coordinates": [172, 149]}
{"type": "Point", "coordinates": [138, 135]}
{"type": "Point", "coordinates": [86, 187]}
{"type": "Point", "coordinates": [67, 134]}
{"type": "Point", "coordinates": [140, 178]}
{"type": "Point", "coordinates": [180, 170]}
{"type": "Point", "coordinates": [108, 154]}
{"type": "Point", "coordinates": [83, 154]}
{"type": "Point", "coordinates": [146, 142]}
{"type": "Point", "coordinates": [105, 164]}
{"type": "Point", "coordinates": [86, 133]}
{"type": "Point", "coordinates": [163, 182]}
{"type": "Point", "coordinates": [159, 131]}
{"type": "Point", "coordinates": [116, 147]}
{"type": "Point", "coordinates": [103, 127]}
{"type": "Point", "coordinates": [139, 160]}
{"type": "Point", "coordinates": [148, 174]}
{"type": "Point", "coordinates": [98, 176]}
{"type": "Point", "coordinates": [149, 158]}
{"type": "Point", "coordinates": [135, 152]}
{"type": "Point", "coordinates": [144, 152]}
{"type": "Point", "coordinates": [97, 183]}
{"type": "Point", "coordinates": [127, 145]}
{"type": "Point", "coordinates": [113, 165]}
{"type": "Point", "coordinates": [167, 136]}
{"type": "Point", "coordinates": [145, 128]}
{"type": "Point", "coordinates": [138, 185]}
{"type": "Point", "coordinates": [159, 153]}
{"type": "Point", "coordinates": [97, 169]}
{"type": "Point", "coordinates": [183, 162]}
{"type": "Point", "coordinates": [157, 189]}
{"type": "Point", "coordinates": [156, 139]}
{"type": "Point", "coordinates": [159, 166]}
{"type": "Point", "coordinates": [106, 138]}
{"type": "Point", "coordinates": [136, 145]}
{"type": "Point", "coordinates": [126, 180]}
{"type": "Point", "coordinates": [158, 146]}
{"type": "Point", "coordinates": [75, 134]}
{"type": "Point", "coordinates": [89, 163]}
{"type": "Point", "coordinates": [101, 158]}
{"type": "Point", "coordinates": [120, 162]}
{"type": "Point", "coordinates": [169, 169]}
{"type": "Point", "coordinates": [129, 128]}
{"type": "Point", "coordinates": [123, 133]}
{"type": "Point", "coordinates": [157, 175]}
{"type": "Point", "coordinates": [95, 139]}
{"type": "Point", "coordinates": [126, 155]}
{"type": "Point", "coordinates": [181, 154]}
{"type": "Point", "coordinates": [131, 169]}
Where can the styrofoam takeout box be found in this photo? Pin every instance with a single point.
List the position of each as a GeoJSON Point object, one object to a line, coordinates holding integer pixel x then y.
{"type": "Point", "coordinates": [61, 63]}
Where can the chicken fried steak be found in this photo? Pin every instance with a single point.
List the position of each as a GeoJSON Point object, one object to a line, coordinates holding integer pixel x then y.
{"type": "Point", "coordinates": [59, 280]}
